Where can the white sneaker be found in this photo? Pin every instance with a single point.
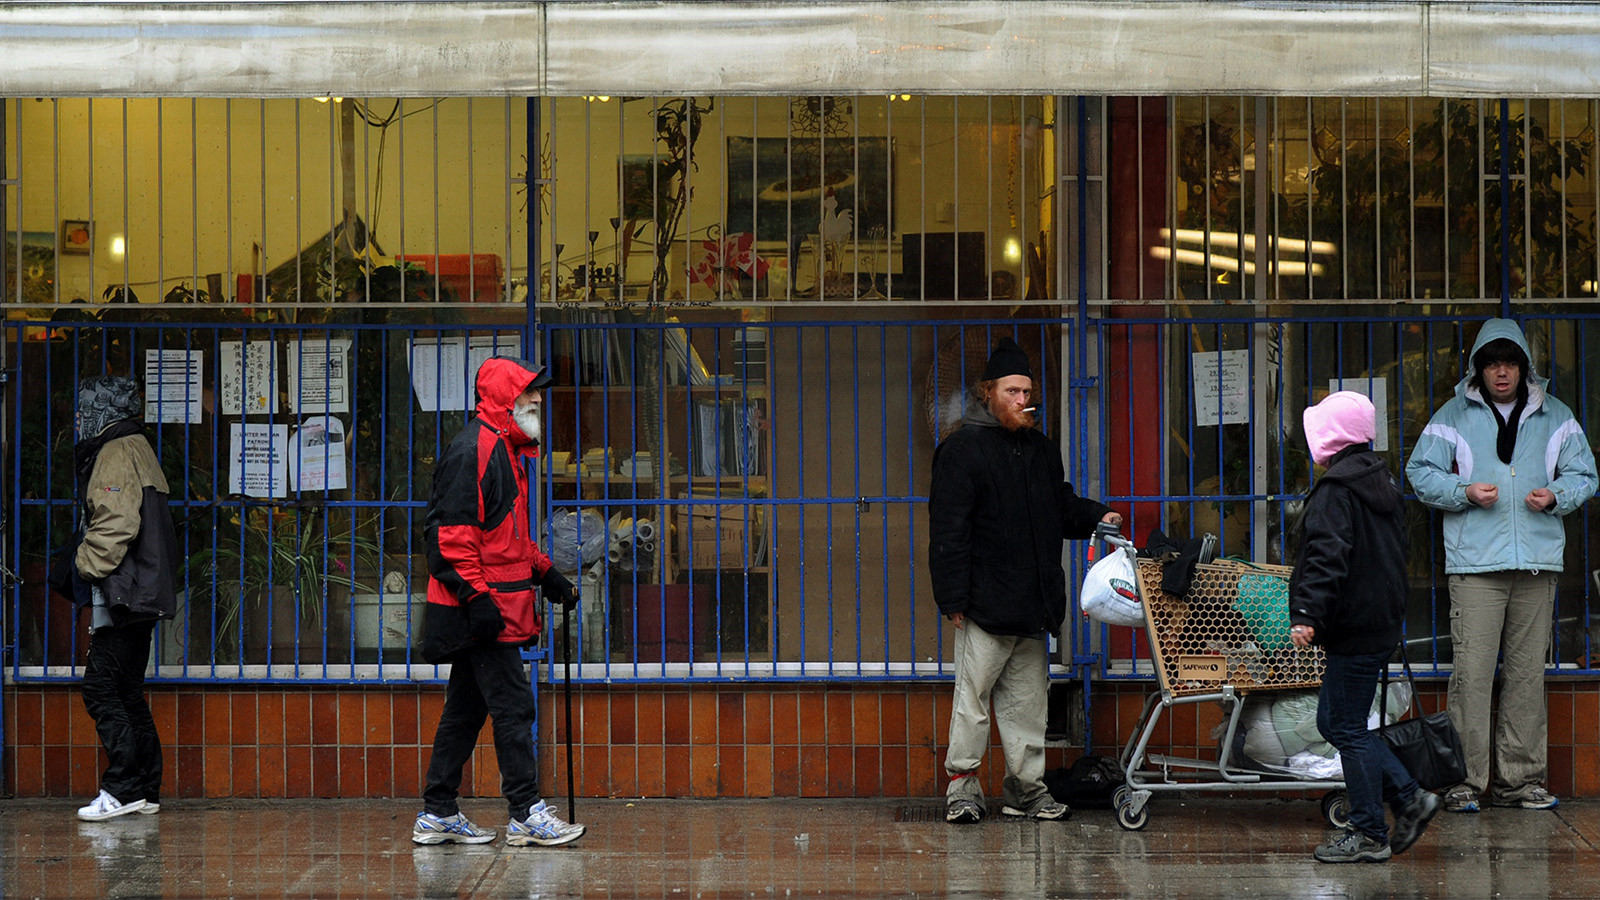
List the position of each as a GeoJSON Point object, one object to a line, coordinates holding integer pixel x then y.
{"type": "Point", "coordinates": [456, 829]}
{"type": "Point", "coordinates": [150, 808]}
{"type": "Point", "coordinates": [543, 828]}
{"type": "Point", "coordinates": [106, 806]}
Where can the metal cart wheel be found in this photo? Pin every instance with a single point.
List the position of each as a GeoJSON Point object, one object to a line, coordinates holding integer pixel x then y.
{"type": "Point", "coordinates": [1130, 820]}
{"type": "Point", "coordinates": [1336, 808]}
{"type": "Point", "coordinates": [1120, 796]}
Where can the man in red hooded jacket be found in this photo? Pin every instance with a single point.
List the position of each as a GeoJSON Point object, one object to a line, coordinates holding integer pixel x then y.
{"type": "Point", "coordinates": [483, 565]}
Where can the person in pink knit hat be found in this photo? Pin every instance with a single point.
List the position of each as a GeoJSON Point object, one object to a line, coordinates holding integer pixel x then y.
{"type": "Point", "coordinates": [1348, 594]}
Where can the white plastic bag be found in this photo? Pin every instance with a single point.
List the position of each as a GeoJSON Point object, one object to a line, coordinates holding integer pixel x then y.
{"type": "Point", "coordinates": [1111, 591]}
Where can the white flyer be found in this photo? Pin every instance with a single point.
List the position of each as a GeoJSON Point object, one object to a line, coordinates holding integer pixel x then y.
{"type": "Point", "coordinates": [1221, 387]}
{"type": "Point", "coordinates": [257, 460]}
{"type": "Point", "coordinates": [316, 455]}
{"type": "Point", "coordinates": [319, 375]}
{"type": "Point", "coordinates": [249, 378]}
{"type": "Point", "coordinates": [1377, 390]}
{"type": "Point", "coordinates": [173, 385]}
{"type": "Point", "coordinates": [437, 373]}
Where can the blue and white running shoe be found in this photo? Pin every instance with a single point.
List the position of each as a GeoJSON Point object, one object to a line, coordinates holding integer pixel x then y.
{"type": "Point", "coordinates": [456, 829]}
{"type": "Point", "coordinates": [542, 827]}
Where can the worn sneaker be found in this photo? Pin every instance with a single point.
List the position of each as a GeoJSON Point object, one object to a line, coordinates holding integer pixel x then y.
{"type": "Point", "coordinates": [1412, 819]}
{"type": "Point", "coordinates": [106, 806]}
{"type": "Point", "coordinates": [456, 829]}
{"type": "Point", "coordinates": [1461, 799]}
{"type": "Point", "coordinates": [1353, 846]}
{"type": "Point", "coordinates": [1535, 797]}
{"type": "Point", "coordinates": [963, 812]}
{"type": "Point", "coordinates": [543, 828]}
{"type": "Point", "coordinates": [1048, 810]}
{"type": "Point", "coordinates": [150, 807]}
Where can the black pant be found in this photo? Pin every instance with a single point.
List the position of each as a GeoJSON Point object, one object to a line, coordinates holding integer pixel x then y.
{"type": "Point", "coordinates": [113, 692]}
{"type": "Point", "coordinates": [485, 681]}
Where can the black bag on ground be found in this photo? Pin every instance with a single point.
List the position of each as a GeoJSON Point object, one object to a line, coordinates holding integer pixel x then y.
{"type": "Point", "coordinates": [1428, 746]}
{"type": "Point", "coordinates": [1087, 784]}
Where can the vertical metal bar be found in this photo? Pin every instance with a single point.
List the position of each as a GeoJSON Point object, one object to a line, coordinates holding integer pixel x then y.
{"type": "Point", "coordinates": [1505, 206]}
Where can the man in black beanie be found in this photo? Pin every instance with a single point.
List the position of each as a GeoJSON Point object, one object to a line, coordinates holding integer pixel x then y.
{"type": "Point", "coordinates": [999, 509]}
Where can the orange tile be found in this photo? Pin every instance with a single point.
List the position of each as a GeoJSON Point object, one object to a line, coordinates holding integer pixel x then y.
{"type": "Point", "coordinates": [892, 765]}
{"type": "Point", "coordinates": [269, 717]}
{"type": "Point", "coordinates": [841, 771]}
{"type": "Point", "coordinates": [624, 717]}
{"type": "Point", "coordinates": [785, 718]}
{"type": "Point", "coordinates": [813, 716]}
{"type": "Point", "coordinates": [1559, 705]}
{"type": "Point", "coordinates": [81, 728]}
{"type": "Point", "coordinates": [864, 701]}
{"type": "Point", "coordinates": [1560, 777]}
{"type": "Point", "coordinates": [594, 772]}
{"type": "Point", "coordinates": [269, 769]}
{"type": "Point", "coordinates": [27, 771]}
{"type": "Point", "coordinates": [730, 721]}
{"type": "Point", "coordinates": [352, 772]}
{"type": "Point", "coordinates": [352, 727]}
{"type": "Point", "coordinates": [376, 707]}
{"type": "Point", "coordinates": [592, 722]}
{"type": "Point", "coordinates": [297, 721]}
{"type": "Point", "coordinates": [245, 774]}
{"type": "Point", "coordinates": [703, 764]}
{"type": "Point", "coordinates": [892, 716]}
{"type": "Point", "coordinates": [485, 779]}
{"type": "Point", "coordinates": [403, 717]}
{"type": "Point", "coordinates": [757, 720]}
{"type": "Point", "coordinates": [324, 718]}
{"type": "Point", "coordinates": [1586, 771]}
{"type": "Point", "coordinates": [813, 770]}
{"type": "Point", "coordinates": [217, 706]}
{"type": "Point", "coordinates": [675, 717]}
{"type": "Point", "coordinates": [297, 772]}
{"type": "Point", "coordinates": [869, 780]}
{"type": "Point", "coordinates": [25, 718]}
{"type": "Point", "coordinates": [758, 770]}
{"type": "Point", "coordinates": [325, 771]}
{"type": "Point", "coordinates": [430, 705]}
{"type": "Point", "coordinates": [218, 777]}
{"type": "Point", "coordinates": [676, 762]}
{"type": "Point", "coordinates": [1586, 714]}
{"type": "Point", "coordinates": [840, 705]}
{"type": "Point", "coordinates": [647, 727]}
{"type": "Point", "coordinates": [189, 775]}
{"type": "Point", "coordinates": [730, 771]}
{"type": "Point", "coordinates": [87, 764]}
{"type": "Point", "coordinates": [380, 771]}
{"type": "Point", "coordinates": [652, 779]}
{"type": "Point", "coordinates": [58, 772]}
{"type": "Point", "coordinates": [924, 772]}
{"type": "Point", "coordinates": [785, 771]}
{"type": "Point", "coordinates": [622, 777]}
{"type": "Point", "coordinates": [920, 728]}
{"type": "Point", "coordinates": [56, 712]}
{"type": "Point", "coordinates": [1184, 725]}
{"type": "Point", "coordinates": [242, 716]}
{"type": "Point", "coordinates": [703, 717]}
{"type": "Point", "coordinates": [164, 709]}
{"type": "Point", "coordinates": [409, 765]}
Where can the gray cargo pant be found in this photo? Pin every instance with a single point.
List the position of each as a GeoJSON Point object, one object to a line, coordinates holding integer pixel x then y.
{"type": "Point", "coordinates": [1490, 613]}
{"type": "Point", "coordinates": [1014, 672]}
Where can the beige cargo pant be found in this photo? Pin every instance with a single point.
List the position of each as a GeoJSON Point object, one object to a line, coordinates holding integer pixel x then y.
{"type": "Point", "coordinates": [1014, 673]}
{"type": "Point", "coordinates": [1491, 614]}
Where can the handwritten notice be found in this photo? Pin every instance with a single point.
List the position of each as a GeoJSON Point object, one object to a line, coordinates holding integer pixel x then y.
{"type": "Point", "coordinates": [258, 464]}
{"type": "Point", "coordinates": [319, 375]}
{"type": "Point", "coordinates": [173, 380]}
{"type": "Point", "coordinates": [316, 455]}
{"type": "Point", "coordinates": [249, 378]}
{"type": "Point", "coordinates": [1221, 387]}
{"type": "Point", "coordinates": [1377, 390]}
{"type": "Point", "coordinates": [444, 370]}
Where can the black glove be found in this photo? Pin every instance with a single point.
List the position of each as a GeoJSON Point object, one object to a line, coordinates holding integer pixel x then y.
{"type": "Point", "coordinates": [557, 589]}
{"type": "Point", "coordinates": [483, 618]}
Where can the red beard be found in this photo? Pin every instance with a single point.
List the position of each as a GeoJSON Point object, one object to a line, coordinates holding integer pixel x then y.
{"type": "Point", "coordinates": [1012, 420]}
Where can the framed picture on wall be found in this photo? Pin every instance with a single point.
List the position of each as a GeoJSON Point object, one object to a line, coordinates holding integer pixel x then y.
{"type": "Point", "coordinates": [784, 188]}
{"type": "Point", "coordinates": [77, 236]}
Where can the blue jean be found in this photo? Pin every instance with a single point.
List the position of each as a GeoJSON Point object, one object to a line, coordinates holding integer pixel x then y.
{"type": "Point", "coordinates": [1371, 773]}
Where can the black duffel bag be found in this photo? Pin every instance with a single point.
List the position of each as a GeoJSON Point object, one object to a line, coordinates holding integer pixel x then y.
{"type": "Point", "coordinates": [1428, 746]}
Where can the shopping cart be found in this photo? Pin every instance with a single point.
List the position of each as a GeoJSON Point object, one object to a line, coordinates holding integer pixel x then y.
{"type": "Point", "coordinates": [1227, 637]}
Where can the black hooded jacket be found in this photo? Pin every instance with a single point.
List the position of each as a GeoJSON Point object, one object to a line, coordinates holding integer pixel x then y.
{"type": "Point", "coordinates": [999, 509]}
{"type": "Point", "coordinates": [1349, 580]}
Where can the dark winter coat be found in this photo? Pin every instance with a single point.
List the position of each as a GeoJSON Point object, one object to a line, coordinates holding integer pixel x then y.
{"type": "Point", "coordinates": [999, 509]}
{"type": "Point", "coordinates": [129, 544]}
{"type": "Point", "coordinates": [477, 532]}
{"type": "Point", "coordinates": [1349, 580]}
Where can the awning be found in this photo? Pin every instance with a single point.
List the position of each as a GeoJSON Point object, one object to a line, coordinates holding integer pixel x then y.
{"type": "Point", "coordinates": [570, 47]}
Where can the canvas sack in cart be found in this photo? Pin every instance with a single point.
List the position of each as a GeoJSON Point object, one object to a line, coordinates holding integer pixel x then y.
{"type": "Point", "coordinates": [1428, 746]}
{"type": "Point", "coordinates": [1111, 591]}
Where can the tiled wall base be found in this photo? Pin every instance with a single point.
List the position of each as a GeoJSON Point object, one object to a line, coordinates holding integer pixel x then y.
{"type": "Point", "coordinates": [865, 740]}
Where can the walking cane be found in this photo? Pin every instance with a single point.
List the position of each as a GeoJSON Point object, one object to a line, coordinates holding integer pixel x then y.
{"type": "Point", "coordinates": [566, 665]}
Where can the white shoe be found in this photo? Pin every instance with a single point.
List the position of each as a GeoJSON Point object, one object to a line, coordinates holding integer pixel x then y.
{"type": "Point", "coordinates": [149, 808]}
{"type": "Point", "coordinates": [106, 806]}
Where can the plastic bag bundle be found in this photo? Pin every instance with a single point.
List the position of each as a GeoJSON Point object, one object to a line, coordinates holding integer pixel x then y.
{"type": "Point", "coordinates": [577, 537]}
{"type": "Point", "coordinates": [1111, 591]}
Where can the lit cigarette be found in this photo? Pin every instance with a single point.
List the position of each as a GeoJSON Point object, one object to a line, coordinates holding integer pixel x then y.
{"type": "Point", "coordinates": [1029, 408]}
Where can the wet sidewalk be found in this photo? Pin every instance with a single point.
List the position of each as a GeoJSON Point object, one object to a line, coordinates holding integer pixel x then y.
{"type": "Point", "coordinates": [1192, 848]}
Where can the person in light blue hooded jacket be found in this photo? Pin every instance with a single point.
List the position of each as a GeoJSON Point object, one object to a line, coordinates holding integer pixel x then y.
{"type": "Point", "coordinates": [1504, 461]}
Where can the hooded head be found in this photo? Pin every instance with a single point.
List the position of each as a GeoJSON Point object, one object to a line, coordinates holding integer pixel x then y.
{"type": "Point", "coordinates": [1501, 340]}
{"type": "Point", "coordinates": [1343, 419]}
{"type": "Point", "coordinates": [104, 400]}
{"type": "Point", "coordinates": [501, 381]}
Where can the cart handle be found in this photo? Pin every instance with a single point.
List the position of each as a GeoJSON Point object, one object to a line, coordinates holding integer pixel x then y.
{"type": "Point", "coordinates": [1112, 535]}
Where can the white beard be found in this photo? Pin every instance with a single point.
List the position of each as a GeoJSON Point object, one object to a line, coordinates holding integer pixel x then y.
{"type": "Point", "coordinates": [527, 419]}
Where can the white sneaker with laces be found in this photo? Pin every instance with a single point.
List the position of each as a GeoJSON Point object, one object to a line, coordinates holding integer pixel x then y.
{"type": "Point", "coordinates": [456, 829]}
{"type": "Point", "coordinates": [106, 806]}
{"type": "Point", "coordinates": [543, 828]}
